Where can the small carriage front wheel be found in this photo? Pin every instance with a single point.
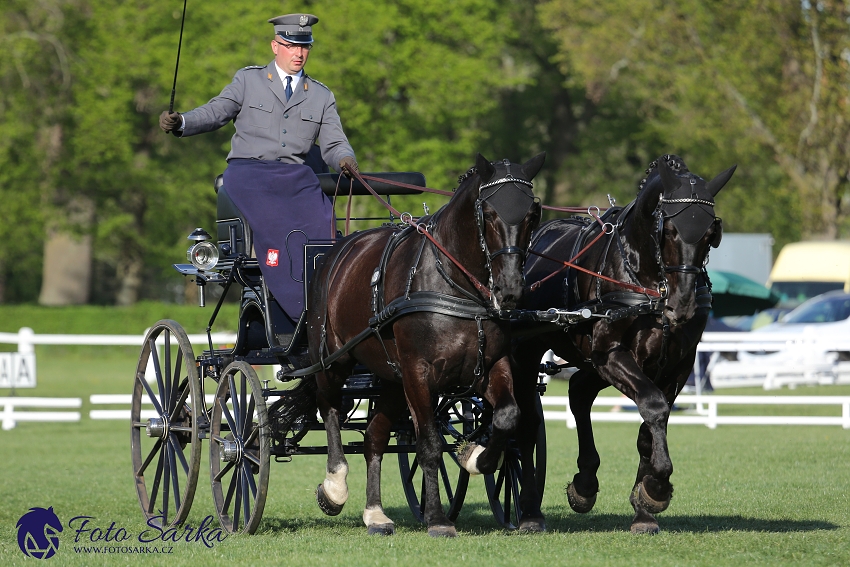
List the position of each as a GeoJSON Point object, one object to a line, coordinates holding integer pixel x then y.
{"type": "Point", "coordinates": [503, 487]}
{"type": "Point", "coordinates": [164, 439]}
{"type": "Point", "coordinates": [460, 420]}
{"type": "Point", "coordinates": [239, 449]}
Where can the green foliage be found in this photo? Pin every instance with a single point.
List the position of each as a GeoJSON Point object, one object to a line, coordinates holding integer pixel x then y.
{"type": "Point", "coordinates": [603, 88]}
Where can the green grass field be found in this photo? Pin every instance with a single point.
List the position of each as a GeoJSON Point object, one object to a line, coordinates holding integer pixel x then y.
{"type": "Point", "coordinates": [744, 495]}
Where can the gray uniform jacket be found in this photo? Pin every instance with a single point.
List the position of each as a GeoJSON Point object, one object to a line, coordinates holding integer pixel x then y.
{"type": "Point", "coordinates": [268, 127]}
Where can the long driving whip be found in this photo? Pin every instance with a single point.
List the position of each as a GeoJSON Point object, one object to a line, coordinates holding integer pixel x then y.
{"type": "Point", "coordinates": [177, 65]}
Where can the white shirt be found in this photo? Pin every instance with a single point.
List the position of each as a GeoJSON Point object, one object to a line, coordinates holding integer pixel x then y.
{"type": "Point", "coordinates": [296, 78]}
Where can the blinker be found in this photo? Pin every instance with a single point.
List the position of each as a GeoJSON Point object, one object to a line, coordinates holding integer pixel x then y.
{"type": "Point", "coordinates": [690, 207]}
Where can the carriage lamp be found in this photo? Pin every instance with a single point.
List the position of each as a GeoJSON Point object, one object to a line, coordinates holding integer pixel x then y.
{"type": "Point", "coordinates": [203, 254]}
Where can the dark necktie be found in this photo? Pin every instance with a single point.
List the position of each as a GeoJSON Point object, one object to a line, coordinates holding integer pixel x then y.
{"type": "Point", "coordinates": [288, 88]}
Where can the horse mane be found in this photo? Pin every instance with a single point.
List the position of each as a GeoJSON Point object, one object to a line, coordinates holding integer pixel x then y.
{"type": "Point", "coordinates": [469, 173]}
{"type": "Point", "coordinates": [674, 162]}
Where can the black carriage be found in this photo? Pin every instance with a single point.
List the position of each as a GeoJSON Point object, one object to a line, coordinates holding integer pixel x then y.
{"type": "Point", "coordinates": [218, 395]}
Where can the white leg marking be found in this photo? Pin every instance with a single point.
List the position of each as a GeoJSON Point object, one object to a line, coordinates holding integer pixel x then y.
{"type": "Point", "coordinates": [375, 516]}
{"type": "Point", "coordinates": [335, 486]}
{"type": "Point", "coordinates": [471, 464]}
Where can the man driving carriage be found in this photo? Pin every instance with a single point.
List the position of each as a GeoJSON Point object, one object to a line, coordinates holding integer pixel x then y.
{"type": "Point", "coordinates": [280, 114]}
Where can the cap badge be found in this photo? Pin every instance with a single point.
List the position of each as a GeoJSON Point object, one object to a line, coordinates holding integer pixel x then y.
{"type": "Point", "coordinates": [303, 20]}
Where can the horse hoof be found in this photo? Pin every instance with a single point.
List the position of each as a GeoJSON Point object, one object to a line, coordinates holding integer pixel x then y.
{"type": "Point", "coordinates": [532, 525]}
{"type": "Point", "coordinates": [648, 503]}
{"type": "Point", "coordinates": [382, 529]}
{"type": "Point", "coordinates": [442, 531]}
{"type": "Point", "coordinates": [645, 527]}
{"type": "Point", "coordinates": [325, 504]}
{"type": "Point", "coordinates": [578, 502]}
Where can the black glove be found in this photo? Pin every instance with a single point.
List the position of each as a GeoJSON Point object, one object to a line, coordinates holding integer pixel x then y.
{"type": "Point", "coordinates": [170, 122]}
{"type": "Point", "coordinates": [348, 165]}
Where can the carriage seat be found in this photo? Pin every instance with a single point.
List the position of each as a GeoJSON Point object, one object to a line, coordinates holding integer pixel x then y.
{"type": "Point", "coordinates": [232, 227]}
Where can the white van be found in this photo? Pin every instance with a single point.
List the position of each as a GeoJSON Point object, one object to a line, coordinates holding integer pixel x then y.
{"type": "Point", "coordinates": [806, 269]}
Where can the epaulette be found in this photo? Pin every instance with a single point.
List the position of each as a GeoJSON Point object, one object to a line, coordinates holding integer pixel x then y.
{"type": "Point", "coordinates": [318, 83]}
{"type": "Point", "coordinates": [254, 67]}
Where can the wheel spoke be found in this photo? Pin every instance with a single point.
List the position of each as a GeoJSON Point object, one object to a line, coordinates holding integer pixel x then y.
{"type": "Point", "coordinates": [158, 372]}
{"type": "Point", "coordinates": [249, 419]}
{"type": "Point", "coordinates": [166, 484]}
{"type": "Point", "coordinates": [175, 479]}
{"type": "Point", "coordinates": [151, 394]}
{"type": "Point", "coordinates": [151, 455]}
{"type": "Point", "coordinates": [169, 383]}
{"type": "Point", "coordinates": [157, 478]}
{"type": "Point", "coordinates": [246, 504]}
{"type": "Point", "coordinates": [233, 399]}
{"type": "Point", "coordinates": [178, 404]}
{"type": "Point", "coordinates": [500, 479]}
{"type": "Point", "coordinates": [447, 484]}
{"type": "Point", "coordinates": [412, 471]}
{"type": "Point", "coordinates": [231, 487]}
{"type": "Point", "coordinates": [251, 457]}
{"type": "Point", "coordinates": [175, 446]}
{"type": "Point", "coordinates": [221, 474]}
{"type": "Point", "coordinates": [237, 502]}
{"type": "Point", "coordinates": [226, 414]}
{"type": "Point", "coordinates": [245, 414]}
{"type": "Point", "coordinates": [178, 364]}
{"type": "Point", "coordinates": [252, 436]}
{"type": "Point", "coordinates": [249, 476]}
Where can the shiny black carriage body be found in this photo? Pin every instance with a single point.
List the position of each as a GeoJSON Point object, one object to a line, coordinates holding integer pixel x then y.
{"type": "Point", "coordinates": [218, 395]}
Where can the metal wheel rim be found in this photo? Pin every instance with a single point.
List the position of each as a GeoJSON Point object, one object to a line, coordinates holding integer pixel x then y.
{"type": "Point", "coordinates": [175, 454]}
{"type": "Point", "coordinates": [240, 486]}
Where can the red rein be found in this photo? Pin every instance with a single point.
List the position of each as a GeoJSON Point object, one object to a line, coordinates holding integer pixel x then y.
{"type": "Point", "coordinates": [422, 229]}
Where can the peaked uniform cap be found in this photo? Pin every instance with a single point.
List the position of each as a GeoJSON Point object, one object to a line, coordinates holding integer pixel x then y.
{"type": "Point", "coordinates": [295, 28]}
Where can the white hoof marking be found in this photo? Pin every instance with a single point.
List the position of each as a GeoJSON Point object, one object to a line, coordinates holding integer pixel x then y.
{"type": "Point", "coordinates": [336, 489]}
{"type": "Point", "coordinates": [373, 516]}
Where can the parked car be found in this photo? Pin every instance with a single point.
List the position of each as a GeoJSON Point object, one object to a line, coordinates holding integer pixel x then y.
{"type": "Point", "coordinates": [825, 313]}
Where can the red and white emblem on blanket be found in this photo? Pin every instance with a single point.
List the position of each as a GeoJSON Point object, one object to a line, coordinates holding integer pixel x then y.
{"type": "Point", "coordinates": [272, 257]}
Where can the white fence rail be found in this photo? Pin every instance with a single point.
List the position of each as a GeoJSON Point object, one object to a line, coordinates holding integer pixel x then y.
{"type": "Point", "coordinates": [811, 352]}
{"type": "Point", "coordinates": [705, 412]}
{"type": "Point", "coordinates": [26, 339]}
{"type": "Point", "coordinates": [9, 416]}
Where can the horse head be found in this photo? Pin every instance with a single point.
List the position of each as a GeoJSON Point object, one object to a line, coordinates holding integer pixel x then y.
{"type": "Point", "coordinates": [676, 207]}
{"type": "Point", "coordinates": [507, 212]}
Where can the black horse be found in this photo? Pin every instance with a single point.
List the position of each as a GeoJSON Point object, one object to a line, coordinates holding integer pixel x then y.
{"type": "Point", "coordinates": [423, 324]}
{"type": "Point", "coordinates": [645, 283]}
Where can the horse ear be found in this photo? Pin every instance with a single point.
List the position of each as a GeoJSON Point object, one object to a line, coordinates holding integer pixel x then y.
{"type": "Point", "coordinates": [716, 184]}
{"type": "Point", "coordinates": [532, 166]}
{"type": "Point", "coordinates": [484, 167]}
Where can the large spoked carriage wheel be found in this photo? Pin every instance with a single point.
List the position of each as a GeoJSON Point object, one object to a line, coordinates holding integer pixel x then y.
{"type": "Point", "coordinates": [503, 487]}
{"type": "Point", "coordinates": [459, 422]}
{"type": "Point", "coordinates": [165, 445]}
{"type": "Point", "coordinates": [239, 449]}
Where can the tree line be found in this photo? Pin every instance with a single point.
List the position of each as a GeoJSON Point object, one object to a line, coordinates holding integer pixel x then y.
{"type": "Point", "coordinates": [96, 201]}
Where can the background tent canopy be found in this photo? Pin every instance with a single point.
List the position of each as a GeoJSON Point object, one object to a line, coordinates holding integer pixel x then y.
{"type": "Point", "coordinates": [735, 295]}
